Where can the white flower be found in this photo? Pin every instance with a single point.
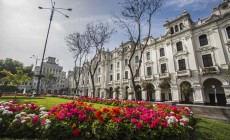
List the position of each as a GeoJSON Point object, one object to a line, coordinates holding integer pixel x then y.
{"type": "Point", "coordinates": [190, 127]}
{"type": "Point", "coordinates": [15, 120]}
{"type": "Point", "coordinates": [47, 126]}
{"type": "Point", "coordinates": [181, 123]}
{"type": "Point", "coordinates": [31, 115]}
{"type": "Point", "coordinates": [185, 119]}
{"type": "Point", "coordinates": [172, 119]}
{"type": "Point", "coordinates": [172, 112]}
{"type": "Point", "coordinates": [18, 116]}
{"type": "Point", "coordinates": [22, 113]}
{"type": "Point", "coordinates": [2, 109]}
{"type": "Point", "coordinates": [42, 108]}
{"type": "Point", "coordinates": [48, 121]}
{"type": "Point", "coordinates": [23, 121]}
{"type": "Point", "coordinates": [7, 107]}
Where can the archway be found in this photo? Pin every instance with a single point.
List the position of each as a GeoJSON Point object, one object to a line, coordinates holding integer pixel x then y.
{"type": "Point", "coordinates": [186, 92]}
{"type": "Point", "coordinates": [150, 89]}
{"type": "Point", "coordinates": [138, 92]}
{"type": "Point", "coordinates": [117, 92]}
{"type": "Point", "coordinates": [110, 92]}
{"type": "Point", "coordinates": [98, 93]}
{"type": "Point", "coordinates": [125, 97]}
{"type": "Point", "coordinates": [214, 92]}
{"type": "Point", "coordinates": [165, 89]}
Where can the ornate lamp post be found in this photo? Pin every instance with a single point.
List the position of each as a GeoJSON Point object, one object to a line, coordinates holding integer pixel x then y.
{"type": "Point", "coordinates": [53, 9]}
{"type": "Point", "coordinates": [214, 87]}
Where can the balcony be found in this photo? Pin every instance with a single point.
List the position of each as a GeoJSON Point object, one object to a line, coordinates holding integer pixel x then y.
{"type": "Point", "coordinates": [183, 73]}
{"type": "Point", "coordinates": [117, 82]}
{"type": "Point", "coordinates": [210, 70]}
{"type": "Point", "coordinates": [110, 82]}
{"type": "Point", "coordinates": [125, 80]}
{"type": "Point", "coordinates": [137, 79]}
{"type": "Point", "coordinates": [164, 75]}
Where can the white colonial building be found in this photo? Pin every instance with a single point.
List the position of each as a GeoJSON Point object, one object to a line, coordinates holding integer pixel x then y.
{"type": "Point", "coordinates": [191, 53]}
{"type": "Point", "coordinates": [50, 66]}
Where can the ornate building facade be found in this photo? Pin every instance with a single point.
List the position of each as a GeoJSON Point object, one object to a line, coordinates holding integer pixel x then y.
{"type": "Point", "coordinates": [191, 55]}
{"type": "Point", "coordinates": [49, 67]}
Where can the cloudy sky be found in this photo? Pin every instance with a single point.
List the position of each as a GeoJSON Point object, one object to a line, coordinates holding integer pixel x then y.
{"type": "Point", "coordinates": [23, 26]}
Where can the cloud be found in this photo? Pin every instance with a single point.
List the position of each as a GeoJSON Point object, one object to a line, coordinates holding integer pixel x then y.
{"type": "Point", "coordinates": [13, 3]}
{"type": "Point", "coordinates": [194, 4]}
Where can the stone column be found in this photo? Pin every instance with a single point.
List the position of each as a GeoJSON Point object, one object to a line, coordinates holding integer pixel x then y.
{"type": "Point", "coordinates": [120, 96]}
{"type": "Point", "coordinates": [198, 95]}
{"type": "Point", "coordinates": [175, 94]}
{"type": "Point", "coordinates": [227, 94]}
{"type": "Point", "coordinates": [130, 96]}
{"type": "Point", "coordinates": [158, 94]}
{"type": "Point", "coordinates": [114, 94]}
{"type": "Point", "coordinates": [144, 95]}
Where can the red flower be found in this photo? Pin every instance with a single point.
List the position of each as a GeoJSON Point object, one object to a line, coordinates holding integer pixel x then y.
{"type": "Point", "coordinates": [76, 132]}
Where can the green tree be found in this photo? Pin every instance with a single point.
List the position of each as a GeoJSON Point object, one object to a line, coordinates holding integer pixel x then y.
{"type": "Point", "coordinates": [11, 66]}
{"type": "Point", "coordinates": [186, 90]}
{"type": "Point", "coordinates": [15, 79]}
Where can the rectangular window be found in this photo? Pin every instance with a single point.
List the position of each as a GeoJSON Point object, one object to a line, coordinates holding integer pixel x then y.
{"type": "Point", "coordinates": [111, 77]}
{"type": "Point", "coordinates": [162, 52]}
{"type": "Point", "coordinates": [149, 71]}
{"type": "Point", "coordinates": [126, 74]}
{"type": "Point", "coordinates": [99, 70]}
{"type": "Point", "coordinates": [111, 67]}
{"type": "Point", "coordinates": [118, 76]}
{"type": "Point", "coordinates": [182, 65]}
{"type": "Point", "coordinates": [163, 68]}
{"type": "Point", "coordinates": [137, 73]}
{"type": "Point", "coordinates": [99, 79]}
{"type": "Point", "coordinates": [207, 60]}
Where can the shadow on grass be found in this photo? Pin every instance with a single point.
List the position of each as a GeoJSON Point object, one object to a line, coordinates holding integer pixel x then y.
{"type": "Point", "coordinates": [202, 130]}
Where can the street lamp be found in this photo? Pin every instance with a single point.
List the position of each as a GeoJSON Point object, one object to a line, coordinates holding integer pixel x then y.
{"type": "Point", "coordinates": [214, 87]}
{"type": "Point", "coordinates": [36, 58]}
{"type": "Point", "coordinates": [53, 9]}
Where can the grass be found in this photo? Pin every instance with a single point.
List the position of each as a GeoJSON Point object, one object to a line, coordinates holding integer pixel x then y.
{"type": "Point", "coordinates": [47, 102]}
{"type": "Point", "coordinates": [205, 129]}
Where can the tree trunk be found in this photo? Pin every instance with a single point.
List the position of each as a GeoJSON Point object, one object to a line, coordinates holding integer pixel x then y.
{"type": "Point", "coordinates": [135, 90]}
{"type": "Point", "coordinates": [93, 85]}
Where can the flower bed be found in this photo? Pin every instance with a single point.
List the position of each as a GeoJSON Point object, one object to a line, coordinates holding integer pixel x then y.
{"type": "Point", "coordinates": [112, 102]}
{"type": "Point", "coordinates": [78, 119]}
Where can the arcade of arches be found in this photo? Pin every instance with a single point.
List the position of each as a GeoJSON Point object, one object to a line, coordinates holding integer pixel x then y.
{"type": "Point", "coordinates": [210, 92]}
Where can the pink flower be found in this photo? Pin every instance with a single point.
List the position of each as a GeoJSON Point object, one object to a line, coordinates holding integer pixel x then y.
{"type": "Point", "coordinates": [76, 132]}
{"type": "Point", "coordinates": [139, 125]}
{"type": "Point", "coordinates": [164, 124]}
{"type": "Point", "coordinates": [69, 115]}
{"type": "Point", "coordinates": [117, 120]}
{"type": "Point", "coordinates": [133, 120]}
{"type": "Point", "coordinates": [35, 119]}
{"type": "Point", "coordinates": [81, 117]}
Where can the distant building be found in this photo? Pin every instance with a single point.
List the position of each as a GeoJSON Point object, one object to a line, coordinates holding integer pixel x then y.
{"type": "Point", "coordinates": [50, 66]}
{"type": "Point", "coordinates": [190, 54]}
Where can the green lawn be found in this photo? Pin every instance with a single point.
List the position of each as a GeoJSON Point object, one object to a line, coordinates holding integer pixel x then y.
{"type": "Point", "coordinates": [205, 129]}
{"type": "Point", "coordinates": [47, 102]}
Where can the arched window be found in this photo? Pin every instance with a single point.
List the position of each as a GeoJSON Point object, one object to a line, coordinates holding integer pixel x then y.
{"type": "Point", "coordinates": [203, 40]}
{"type": "Point", "coordinates": [228, 31]}
{"type": "Point", "coordinates": [136, 59]}
{"type": "Point", "coordinates": [181, 26]}
{"type": "Point", "coordinates": [148, 55]}
{"type": "Point", "coordinates": [126, 62]}
{"type": "Point", "coordinates": [171, 30]}
{"type": "Point", "coordinates": [162, 52]}
{"type": "Point", "coordinates": [179, 46]}
{"type": "Point", "coordinates": [176, 28]}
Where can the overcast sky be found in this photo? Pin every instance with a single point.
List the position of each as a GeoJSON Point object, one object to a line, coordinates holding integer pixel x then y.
{"type": "Point", "coordinates": [23, 27]}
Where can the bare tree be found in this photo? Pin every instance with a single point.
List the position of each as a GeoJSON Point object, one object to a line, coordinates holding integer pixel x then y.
{"type": "Point", "coordinates": [136, 17]}
{"type": "Point", "coordinates": [97, 36]}
{"type": "Point", "coordinates": [79, 46]}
